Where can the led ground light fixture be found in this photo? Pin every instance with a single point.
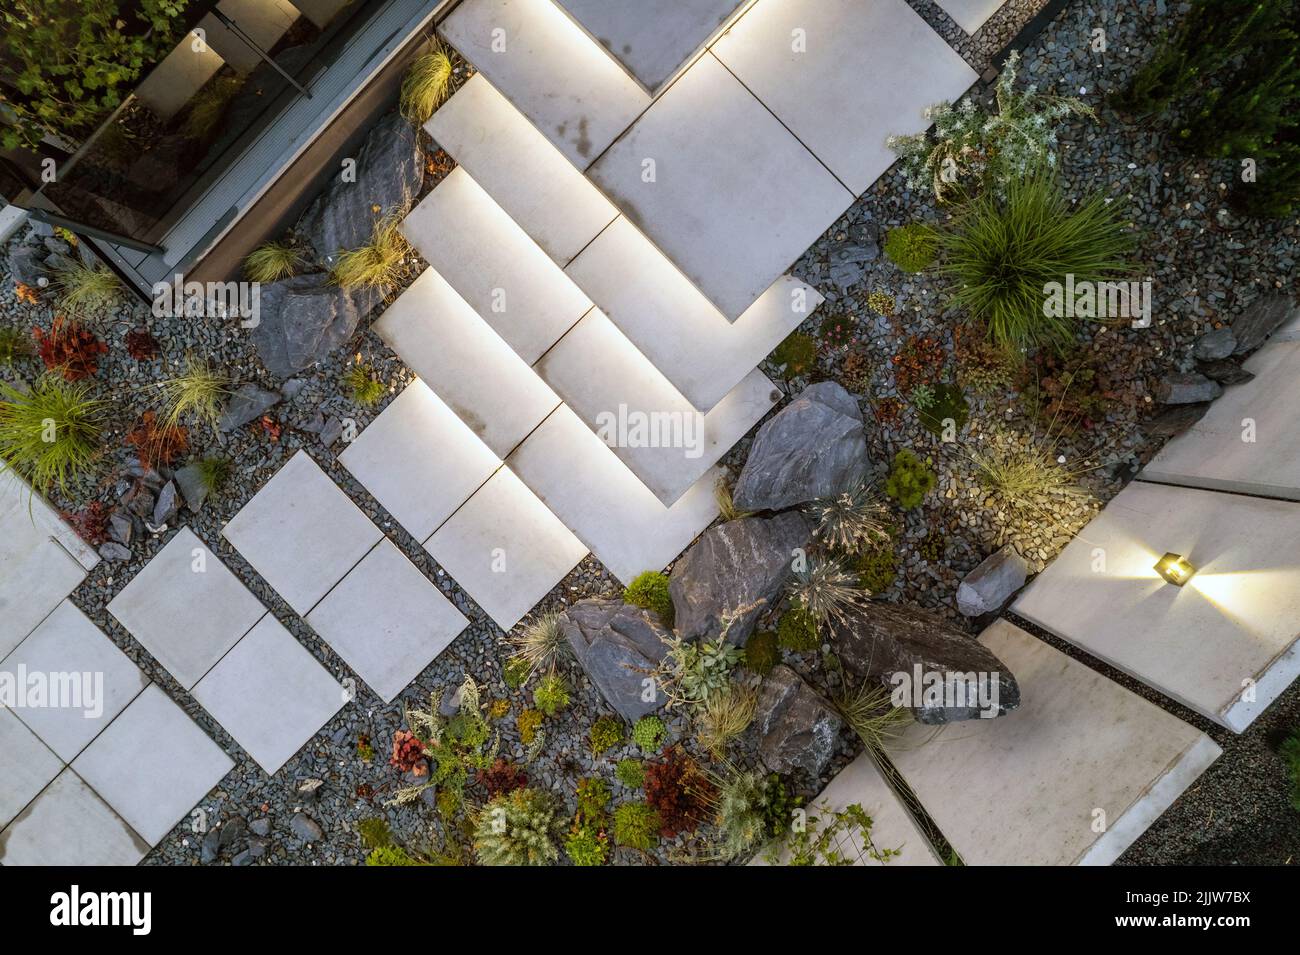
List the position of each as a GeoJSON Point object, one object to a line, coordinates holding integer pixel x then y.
{"type": "Point", "coordinates": [1175, 569]}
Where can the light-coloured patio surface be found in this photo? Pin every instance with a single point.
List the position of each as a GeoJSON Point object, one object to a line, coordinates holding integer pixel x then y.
{"type": "Point", "coordinates": [1224, 644]}
{"type": "Point", "coordinates": [970, 15]}
{"type": "Point", "coordinates": [69, 825]}
{"type": "Point", "coordinates": [29, 766]}
{"type": "Point", "coordinates": [1072, 777]}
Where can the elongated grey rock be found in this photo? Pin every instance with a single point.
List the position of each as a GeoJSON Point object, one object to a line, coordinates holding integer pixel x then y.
{"type": "Point", "coordinates": [618, 646]}
{"type": "Point", "coordinates": [991, 584]}
{"type": "Point", "coordinates": [797, 729]}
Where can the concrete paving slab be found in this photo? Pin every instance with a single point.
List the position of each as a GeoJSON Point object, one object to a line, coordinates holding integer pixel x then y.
{"type": "Point", "coordinates": [494, 266]}
{"type": "Point", "coordinates": [554, 203]}
{"type": "Point", "coordinates": [16, 498]}
{"type": "Point", "coordinates": [301, 533]}
{"type": "Point", "coordinates": [505, 549]}
{"type": "Point", "coordinates": [419, 460]}
{"type": "Point", "coordinates": [186, 608]}
{"type": "Point", "coordinates": [970, 15]}
{"type": "Point", "coordinates": [152, 764]}
{"type": "Point", "coordinates": [36, 573]}
{"type": "Point", "coordinates": [270, 694]}
{"type": "Point", "coordinates": [387, 621]}
{"type": "Point", "coordinates": [69, 825]}
{"type": "Point", "coordinates": [720, 186]}
{"type": "Point", "coordinates": [674, 325]}
{"type": "Point", "coordinates": [171, 85]}
{"type": "Point", "coordinates": [467, 364]}
{"type": "Point", "coordinates": [29, 766]}
{"type": "Point", "coordinates": [545, 64]}
{"type": "Point", "coordinates": [844, 75]}
{"type": "Point", "coordinates": [87, 680]}
{"type": "Point", "coordinates": [1034, 787]}
{"type": "Point", "coordinates": [616, 516]}
{"type": "Point", "coordinates": [1223, 644]}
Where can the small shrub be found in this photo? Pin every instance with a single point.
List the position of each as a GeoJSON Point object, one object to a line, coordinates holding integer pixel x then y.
{"type": "Point", "coordinates": [837, 330]}
{"type": "Point", "coordinates": [527, 723]}
{"type": "Point", "coordinates": [849, 521]}
{"type": "Point", "coordinates": [518, 828]}
{"type": "Point", "coordinates": [272, 261]}
{"type": "Point", "coordinates": [825, 590]}
{"type": "Point", "coordinates": [917, 362]}
{"type": "Point", "coordinates": [501, 777]}
{"type": "Point", "coordinates": [362, 384]}
{"type": "Point", "coordinates": [636, 826]}
{"type": "Point", "coordinates": [649, 733]}
{"type": "Point", "coordinates": [923, 397]}
{"type": "Point", "coordinates": [912, 247]}
{"type": "Point", "coordinates": [379, 262]}
{"type": "Point", "coordinates": [539, 645]}
{"type": "Point", "coordinates": [14, 346]}
{"type": "Point", "coordinates": [856, 371]}
{"type": "Point", "coordinates": [725, 716]}
{"type": "Point", "coordinates": [796, 631]}
{"type": "Point", "coordinates": [947, 408]}
{"type": "Point", "coordinates": [650, 591]}
{"type": "Point", "coordinates": [982, 367]}
{"type": "Point", "coordinates": [587, 846]}
{"type": "Point", "coordinates": [90, 523]}
{"type": "Point", "coordinates": [516, 672]}
{"type": "Point", "coordinates": [375, 833]}
{"type": "Point", "coordinates": [798, 353]}
{"type": "Point", "coordinates": [678, 791]}
{"type": "Point", "coordinates": [69, 349]}
{"type": "Point", "coordinates": [751, 810]}
{"type": "Point", "coordinates": [693, 670]}
{"type": "Point", "coordinates": [877, 569]}
{"type": "Point", "coordinates": [910, 480]}
{"type": "Point", "coordinates": [593, 799]}
{"type": "Point", "coordinates": [882, 303]}
{"type": "Point", "coordinates": [606, 733]}
{"type": "Point", "coordinates": [630, 772]}
{"type": "Point", "coordinates": [498, 709]}
{"type": "Point", "coordinates": [86, 287]}
{"type": "Point", "coordinates": [427, 84]}
{"type": "Point", "coordinates": [50, 434]}
{"type": "Point", "coordinates": [157, 445]}
{"type": "Point", "coordinates": [141, 345]}
{"type": "Point", "coordinates": [1290, 753]}
{"type": "Point", "coordinates": [551, 694]}
{"type": "Point", "coordinates": [761, 652]}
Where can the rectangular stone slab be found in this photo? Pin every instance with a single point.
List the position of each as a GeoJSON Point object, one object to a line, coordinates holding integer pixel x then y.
{"type": "Point", "coordinates": [419, 460]}
{"type": "Point", "coordinates": [69, 825]}
{"type": "Point", "coordinates": [16, 497]}
{"type": "Point", "coordinates": [494, 266]}
{"type": "Point", "coordinates": [734, 197]}
{"type": "Point", "coordinates": [866, 71]}
{"type": "Point", "coordinates": [970, 15]}
{"type": "Point", "coordinates": [505, 549]}
{"type": "Point", "coordinates": [1032, 787]}
{"type": "Point", "coordinates": [29, 765]}
{"type": "Point", "coordinates": [1232, 627]}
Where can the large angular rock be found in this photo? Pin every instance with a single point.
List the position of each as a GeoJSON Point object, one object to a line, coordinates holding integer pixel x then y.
{"type": "Point", "coordinates": [26, 263]}
{"type": "Point", "coordinates": [618, 646]}
{"type": "Point", "coordinates": [1225, 371]}
{"type": "Point", "coordinates": [389, 173]}
{"type": "Point", "coordinates": [248, 403]}
{"type": "Point", "coordinates": [304, 318]}
{"type": "Point", "coordinates": [911, 650]}
{"type": "Point", "coordinates": [814, 447]}
{"type": "Point", "coordinates": [1175, 419]}
{"type": "Point", "coordinates": [1187, 388]}
{"type": "Point", "coordinates": [1214, 345]}
{"type": "Point", "coordinates": [739, 564]}
{"type": "Point", "coordinates": [991, 584]}
{"type": "Point", "coordinates": [1264, 318]}
{"type": "Point", "coordinates": [797, 729]}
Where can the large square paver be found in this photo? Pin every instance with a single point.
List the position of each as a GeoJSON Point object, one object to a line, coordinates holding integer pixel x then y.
{"type": "Point", "coordinates": [301, 533]}
{"type": "Point", "coordinates": [867, 71]}
{"type": "Point", "coordinates": [735, 197]}
{"type": "Point", "coordinates": [1223, 644]}
{"type": "Point", "coordinates": [69, 825]}
{"type": "Point", "coordinates": [387, 621]}
{"type": "Point", "coordinates": [652, 39]}
{"type": "Point", "coordinates": [186, 608]}
{"type": "Point", "coordinates": [29, 765]}
{"type": "Point", "coordinates": [1034, 786]}
{"type": "Point", "coordinates": [152, 764]}
{"type": "Point", "coordinates": [970, 14]}
{"type": "Point", "coordinates": [506, 549]}
{"type": "Point", "coordinates": [419, 460]}
{"type": "Point", "coordinates": [270, 694]}
{"type": "Point", "coordinates": [97, 679]}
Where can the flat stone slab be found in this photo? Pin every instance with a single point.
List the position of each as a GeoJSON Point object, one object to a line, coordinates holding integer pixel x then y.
{"type": "Point", "coordinates": [1034, 786]}
{"type": "Point", "coordinates": [1223, 644]}
{"type": "Point", "coordinates": [651, 39]}
{"type": "Point", "coordinates": [466, 363]}
{"type": "Point", "coordinates": [674, 325]}
{"type": "Point", "coordinates": [735, 197]}
{"type": "Point", "coordinates": [505, 549]}
{"type": "Point", "coordinates": [1248, 441]}
{"type": "Point", "coordinates": [555, 204]}
{"type": "Point", "coordinates": [301, 533]}
{"type": "Point", "coordinates": [545, 64]}
{"type": "Point", "coordinates": [970, 15]}
{"type": "Point", "coordinates": [419, 460]}
{"type": "Point", "coordinates": [387, 621]}
{"type": "Point", "coordinates": [639, 414]}
{"type": "Point", "coordinates": [864, 72]}
{"type": "Point", "coordinates": [152, 764]}
{"type": "Point", "coordinates": [16, 497]}
{"type": "Point", "coordinates": [89, 680]}
{"type": "Point", "coordinates": [494, 266]}
{"type": "Point", "coordinates": [186, 608]}
{"type": "Point", "coordinates": [270, 694]}
{"type": "Point", "coordinates": [29, 767]}
{"type": "Point", "coordinates": [605, 505]}
{"type": "Point", "coordinates": [69, 825]}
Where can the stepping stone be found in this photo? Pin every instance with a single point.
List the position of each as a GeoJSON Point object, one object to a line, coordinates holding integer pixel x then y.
{"type": "Point", "coordinates": [69, 825]}
{"type": "Point", "coordinates": [860, 783]}
{"type": "Point", "coordinates": [16, 497]}
{"type": "Point", "coordinates": [674, 325]}
{"type": "Point", "coordinates": [270, 694]}
{"type": "Point", "coordinates": [186, 608]}
{"type": "Point", "coordinates": [1223, 644]}
{"type": "Point", "coordinates": [101, 680]}
{"type": "Point", "coordinates": [735, 198]}
{"type": "Point", "coordinates": [387, 621]}
{"type": "Point", "coordinates": [652, 39]}
{"type": "Point", "coordinates": [970, 15]}
{"type": "Point", "coordinates": [637, 412]}
{"type": "Point", "coordinates": [505, 549]}
{"type": "Point", "coordinates": [301, 533]}
{"type": "Point", "coordinates": [29, 767]}
{"type": "Point", "coordinates": [265, 22]}
{"type": "Point", "coordinates": [419, 460]}
{"type": "Point", "coordinates": [1216, 453]}
{"type": "Point", "coordinates": [545, 64]}
{"type": "Point", "coordinates": [494, 266]}
{"type": "Point", "coordinates": [457, 354]}
{"type": "Point", "coordinates": [555, 204]}
{"type": "Point", "coordinates": [1030, 787]}
{"type": "Point", "coordinates": [152, 764]}
{"type": "Point", "coordinates": [866, 71]}
{"type": "Point", "coordinates": [605, 505]}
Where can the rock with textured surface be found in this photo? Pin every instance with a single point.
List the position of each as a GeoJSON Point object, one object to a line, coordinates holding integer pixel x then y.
{"type": "Point", "coordinates": [1215, 344]}
{"type": "Point", "coordinates": [1175, 419]}
{"type": "Point", "coordinates": [193, 486]}
{"type": "Point", "coordinates": [248, 403]}
{"type": "Point", "coordinates": [739, 564]}
{"type": "Point", "coordinates": [304, 318]}
{"type": "Point", "coordinates": [990, 585]}
{"type": "Point", "coordinates": [113, 552]}
{"type": "Point", "coordinates": [1186, 388]}
{"type": "Point", "coordinates": [1262, 319]}
{"type": "Point", "coordinates": [1225, 372]}
{"type": "Point", "coordinates": [797, 729]}
{"type": "Point", "coordinates": [167, 506]}
{"type": "Point", "coordinates": [26, 264]}
{"type": "Point", "coordinates": [306, 828]}
{"type": "Point", "coordinates": [814, 447]}
{"type": "Point", "coordinates": [618, 646]}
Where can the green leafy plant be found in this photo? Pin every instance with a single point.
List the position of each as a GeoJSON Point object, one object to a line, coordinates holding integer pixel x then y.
{"type": "Point", "coordinates": [910, 480]}
{"type": "Point", "coordinates": [1290, 753]}
{"type": "Point", "coordinates": [796, 631]}
{"type": "Point", "coordinates": [947, 408]}
{"type": "Point", "coordinates": [649, 733]}
{"type": "Point", "coordinates": [922, 397]}
{"type": "Point", "coordinates": [90, 288]}
{"type": "Point", "coordinates": [14, 346]}
{"type": "Point", "coordinates": [551, 694]}
{"type": "Point", "coordinates": [427, 84]}
{"type": "Point", "coordinates": [377, 263]}
{"type": "Point", "coordinates": [844, 840]}
{"type": "Point", "coordinates": [214, 472]}
{"type": "Point", "coordinates": [516, 672]}
{"type": "Point", "coordinates": [587, 846]}
{"type": "Point", "coordinates": [636, 826]}
{"type": "Point", "coordinates": [272, 261]}
{"type": "Point", "coordinates": [762, 652]}
{"type": "Point", "coordinates": [798, 355]}
{"type": "Point", "coordinates": [630, 772]}
{"type": "Point", "coordinates": [518, 828]}
{"type": "Point", "coordinates": [455, 747]}
{"type": "Point", "coordinates": [912, 247]}
{"type": "Point", "coordinates": [849, 521]}
{"type": "Point", "coordinates": [693, 670]}
{"type": "Point", "coordinates": [593, 798]}
{"type": "Point", "coordinates": [540, 644]}
{"type": "Point", "coordinates": [650, 591]}
{"type": "Point", "coordinates": [877, 569]}
{"type": "Point", "coordinates": [528, 722]}
{"type": "Point", "coordinates": [724, 716]}
{"type": "Point", "coordinates": [366, 389]}
{"type": "Point", "coordinates": [606, 733]}
{"type": "Point", "coordinates": [50, 434]}
{"type": "Point", "coordinates": [751, 810]}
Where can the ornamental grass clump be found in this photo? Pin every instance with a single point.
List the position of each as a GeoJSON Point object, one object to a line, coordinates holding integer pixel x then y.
{"type": "Point", "coordinates": [869, 711]}
{"type": "Point", "coordinates": [851, 521]}
{"type": "Point", "coordinates": [518, 828]}
{"type": "Point", "coordinates": [427, 84]}
{"type": "Point", "coordinates": [272, 261]}
{"type": "Point", "coordinates": [379, 262]}
{"type": "Point", "coordinates": [195, 396]}
{"type": "Point", "coordinates": [540, 644]}
{"type": "Point", "coordinates": [1026, 480]}
{"type": "Point", "coordinates": [724, 716]}
{"type": "Point", "coordinates": [90, 288]}
{"type": "Point", "coordinates": [50, 434]}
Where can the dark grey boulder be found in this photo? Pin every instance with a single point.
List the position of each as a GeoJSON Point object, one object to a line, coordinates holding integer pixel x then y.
{"type": "Point", "coordinates": [850, 257]}
{"type": "Point", "coordinates": [192, 486]}
{"type": "Point", "coordinates": [1261, 320]}
{"type": "Point", "coordinates": [1213, 345]}
{"type": "Point", "coordinates": [27, 264]}
{"type": "Point", "coordinates": [121, 527]}
{"type": "Point", "coordinates": [991, 584]}
{"type": "Point", "coordinates": [1225, 372]}
{"type": "Point", "coordinates": [248, 403]}
{"type": "Point", "coordinates": [739, 564]}
{"type": "Point", "coordinates": [813, 448]}
{"type": "Point", "coordinates": [1174, 420]}
{"type": "Point", "coordinates": [1186, 388]}
{"type": "Point", "coordinates": [797, 729]}
{"type": "Point", "coordinates": [167, 506]}
{"type": "Point", "coordinates": [306, 828]}
{"type": "Point", "coordinates": [618, 646]}
{"type": "Point", "coordinates": [304, 318]}
{"type": "Point", "coordinates": [113, 552]}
